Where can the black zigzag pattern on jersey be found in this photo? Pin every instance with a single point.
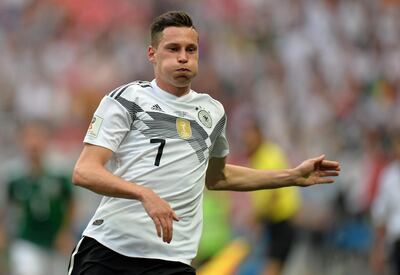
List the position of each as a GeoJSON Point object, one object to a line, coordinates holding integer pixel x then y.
{"type": "Point", "coordinates": [164, 125]}
{"type": "Point", "coordinates": [118, 91]}
{"type": "Point", "coordinates": [130, 106]}
{"type": "Point", "coordinates": [143, 84]}
{"type": "Point", "coordinates": [218, 129]}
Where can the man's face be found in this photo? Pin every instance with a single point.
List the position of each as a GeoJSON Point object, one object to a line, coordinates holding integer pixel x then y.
{"type": "Point", "coordinates": [252, 139]}
{"type": "Point", "coordinates": [175, 58]}
{"type": "Point", "coordinates": [33, 141]}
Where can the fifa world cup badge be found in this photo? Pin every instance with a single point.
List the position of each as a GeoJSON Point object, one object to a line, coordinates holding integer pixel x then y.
{"type": "Point", "coordinates": [94, 126]}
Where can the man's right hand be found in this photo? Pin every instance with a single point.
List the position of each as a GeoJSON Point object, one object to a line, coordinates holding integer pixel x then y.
{"type": "Point", "coordinates": [160, 212]}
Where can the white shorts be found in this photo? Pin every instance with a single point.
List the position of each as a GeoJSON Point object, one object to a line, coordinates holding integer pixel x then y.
{"type": "Point", "coordinates": [27, 258]}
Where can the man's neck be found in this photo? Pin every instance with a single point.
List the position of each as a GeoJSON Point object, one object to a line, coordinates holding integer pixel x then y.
{"type": "Point", "coordinates": [36, 168]}
{"type": "Point", "coordinates": [176, 91]}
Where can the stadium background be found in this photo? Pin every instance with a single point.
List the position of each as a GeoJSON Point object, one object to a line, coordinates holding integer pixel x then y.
{"type": "Point", "coordinates": [320, 76]}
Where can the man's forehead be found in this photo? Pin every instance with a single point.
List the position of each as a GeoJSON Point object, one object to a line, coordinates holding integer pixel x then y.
{"type": "Point", "coordinates": [179, 35]}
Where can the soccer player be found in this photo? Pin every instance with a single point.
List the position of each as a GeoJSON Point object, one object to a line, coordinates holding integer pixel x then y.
{"type": "Point", "coordinates": [386, 215]}
{"type": "Point", "coordinates": [43, 198]}
{"type": "Point", "coordinates": [150, 149]}
{"type": "Point", "coordinates": [275, 209]}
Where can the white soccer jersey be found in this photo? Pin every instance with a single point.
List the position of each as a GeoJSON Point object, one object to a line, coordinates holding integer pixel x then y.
{"type": "Point", "coordinates": [386, 207]}
{"type": "Point", "coordinates": [162, 142]}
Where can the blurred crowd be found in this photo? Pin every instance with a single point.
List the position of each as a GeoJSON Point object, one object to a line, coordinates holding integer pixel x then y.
{"type": "Point", "coordinates": [319, 76]}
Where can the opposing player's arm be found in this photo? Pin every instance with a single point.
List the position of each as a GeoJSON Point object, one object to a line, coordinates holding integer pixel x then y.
{"type": "Point", "coordinates": [65, 238]}
{"type": "Point", "coordinates": [222, 176]}
{"type": "Point", "coordinates": [90, 173]}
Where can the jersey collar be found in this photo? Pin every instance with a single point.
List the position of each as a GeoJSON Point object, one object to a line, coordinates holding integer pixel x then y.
{"type": "Point", "coordinates": [168, 96]}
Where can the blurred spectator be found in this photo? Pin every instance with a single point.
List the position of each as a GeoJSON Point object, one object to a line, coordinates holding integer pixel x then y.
{"type": "Point", "coordinates": [275, 208]}
{"type": "Point", "coordinates": [375, 160]}
{"type": "Point", "coordinates": [309, 66]}
{"type": "Point", "coordinates": [386, 215]}
{"type": "Point", "coordinates": [216, 228]}
{"type": "Point", "coordinates": [40, 202]}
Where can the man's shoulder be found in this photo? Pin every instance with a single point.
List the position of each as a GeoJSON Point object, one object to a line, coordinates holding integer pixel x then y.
{"type": "Point", "coordinates": [131, 89]}
{"type": "Point", "coordinates": [207, 99]}
{"type": "Point", "coordinates": [17, 174]}
{"type": "Point", "coordinates": [391, 173]}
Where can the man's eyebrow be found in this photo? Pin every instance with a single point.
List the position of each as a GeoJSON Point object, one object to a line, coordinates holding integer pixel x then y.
{"type": "Point", "coordinates": [173, 44]}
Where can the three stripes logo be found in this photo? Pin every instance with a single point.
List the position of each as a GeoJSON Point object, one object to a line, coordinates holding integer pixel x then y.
{"type": "Point", "coordinates": [157, 107]}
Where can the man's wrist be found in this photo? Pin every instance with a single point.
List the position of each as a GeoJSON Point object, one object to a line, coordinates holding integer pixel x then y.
{"type": "Point", "coordinates": [295, 176]}
{"type": "Point", "coordinates": [141, 192]}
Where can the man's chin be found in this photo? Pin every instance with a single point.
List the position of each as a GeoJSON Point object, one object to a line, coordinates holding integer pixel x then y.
{"type": "Point", "coordinates": [182, 81]}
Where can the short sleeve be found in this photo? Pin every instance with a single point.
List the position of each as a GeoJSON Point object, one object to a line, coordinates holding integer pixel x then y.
{"type": "Point", "coordinates": [220, 147]}
{"type": "Point", "coordinates": [110, 124]}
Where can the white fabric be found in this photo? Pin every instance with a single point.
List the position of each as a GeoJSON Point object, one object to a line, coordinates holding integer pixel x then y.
{"type": "Point", "coordinates": [386, 208]}
{"type": "Point", "coordinates": [125, 124]}
{"type": "Point", "coordinates": [27, 258]}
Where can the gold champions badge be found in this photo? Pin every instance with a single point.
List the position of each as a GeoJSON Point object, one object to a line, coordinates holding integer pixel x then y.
{"type": "Point", "coordinates": [183, 128]}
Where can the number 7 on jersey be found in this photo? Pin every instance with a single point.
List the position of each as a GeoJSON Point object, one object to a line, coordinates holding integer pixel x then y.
{"type": "Point", "coordinates": [160, 149]}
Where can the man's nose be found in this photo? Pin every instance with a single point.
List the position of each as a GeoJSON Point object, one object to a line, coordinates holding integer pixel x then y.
{"type": "Point", "coordinates": [182, 57]}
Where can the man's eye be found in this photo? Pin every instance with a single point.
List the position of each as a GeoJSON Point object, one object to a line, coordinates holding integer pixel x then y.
{"type": "Point", "coordinates": [191, 50]}
{"type": "Point", "coordinates": [173, 49]}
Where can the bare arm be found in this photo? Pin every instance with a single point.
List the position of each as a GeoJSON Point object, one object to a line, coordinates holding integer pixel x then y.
{"type": "Point", "coordinates": [90, 173]}
{"type": "Point", "coordinates": [222, 176]}
{"type": "Point", "coordinates": [377, 254]}
{"type": "Point", "coordinates": [3, 233]}
{"type": "Point", "coordinates": [65, 239]}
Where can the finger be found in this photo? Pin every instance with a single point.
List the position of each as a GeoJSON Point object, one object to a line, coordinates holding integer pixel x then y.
{"type": "Point", "coordinates": [318, 161]}
{"type": "Point", "coordinates": [329, 168]}
{"type": "Point", "coordinates": [329, 164]}
{"type": "Point", "coordinates": [328, 174]}
{"type": "Point", "coordinates": [168, 236]}
{"type": "Point", "coordinates": [319, 158]}
{"type": "Point", "coordinates": [158, 226]}
{"type": "Point", "coordinates": [165, 229]}
{"type": "Point", "coordinates": [324, 181]}
{"type": "Point", "coordinates": [170, 229]}
{"type": "Point", "coordinates": [175, 216]}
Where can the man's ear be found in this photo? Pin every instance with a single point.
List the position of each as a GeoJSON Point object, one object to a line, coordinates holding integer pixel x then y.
{"type": "Point", "coordinates": [151, 52]}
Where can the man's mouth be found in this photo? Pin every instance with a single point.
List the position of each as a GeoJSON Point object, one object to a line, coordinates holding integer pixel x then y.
{"type": "Point", "coordinates": [183, 70]}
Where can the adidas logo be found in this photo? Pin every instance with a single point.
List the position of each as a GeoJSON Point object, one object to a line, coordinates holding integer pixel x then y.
{"type": "Point", "coordinates": [157, 107]}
